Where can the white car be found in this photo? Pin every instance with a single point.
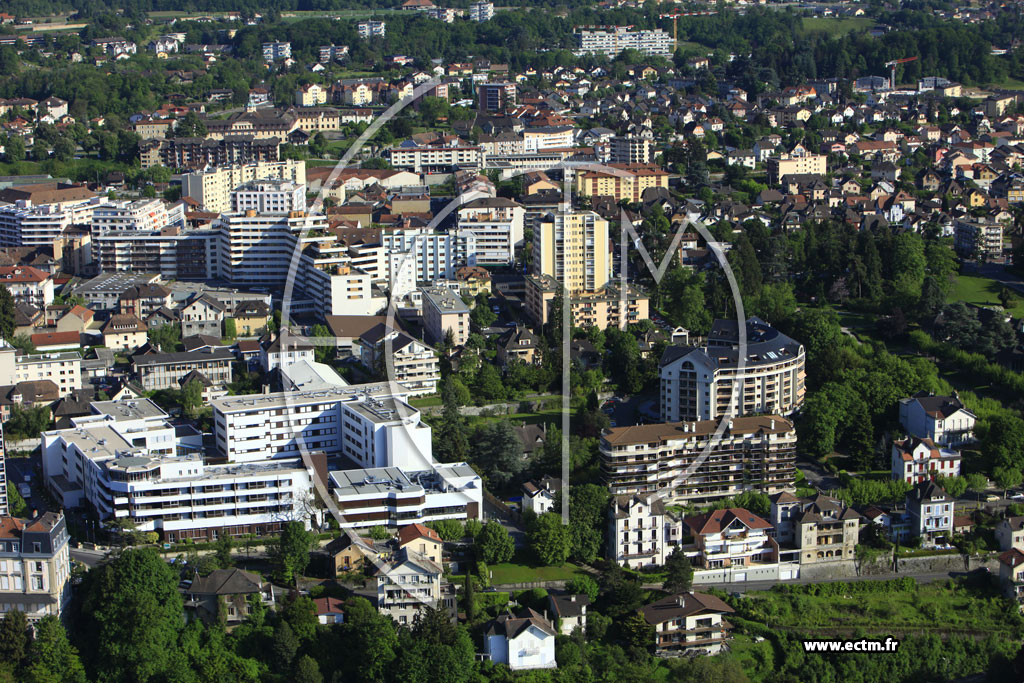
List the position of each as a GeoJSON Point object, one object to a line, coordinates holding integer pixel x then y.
{"type": "Point", "coordinates": [25, 490]}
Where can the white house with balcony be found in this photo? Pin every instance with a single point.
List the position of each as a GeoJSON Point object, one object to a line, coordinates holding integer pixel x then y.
{"type": "Point", "coordinates": [930, 511]}
{"type": "Point", "coordinates": [522, 642]}
{"type": "Point", "coordinates": [915, 460]}
{"type": "Point", "coordinates": [943, 419]}
{"type": "Point", "coordinates": [407, 584]}
{"type": "Point", "coordinates": [636, 530]}
{"type": "Point", "coordinates": [732, 537]}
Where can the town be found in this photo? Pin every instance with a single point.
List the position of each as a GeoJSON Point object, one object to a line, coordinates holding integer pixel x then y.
{"type": "Point", "coordinates": [583, 343]}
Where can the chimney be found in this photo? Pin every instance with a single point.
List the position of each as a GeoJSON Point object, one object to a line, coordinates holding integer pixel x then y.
{"type": "Point", "coordinates": [681, 600]}
{"type": "Point", "coordinates": [572, 598]}
{"type": "Point", "coordinates": [773, 424]}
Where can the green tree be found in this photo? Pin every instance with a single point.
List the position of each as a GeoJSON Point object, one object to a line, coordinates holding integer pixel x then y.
{"type": "Point", "coordinates": [499, 452]}
{"type": "Point", "coordinates": [166, 337]}
{"type": "Point", "coordinates": [432, 109]}
{"type": "Point", "coordinates": [222, 549]}
{"type": "Point", "coordinates": [307, 671]}
{"type": "Point", "coordinates": [6, 314]}
{"type": "Point", "coordinates": [637, 632]}
{"type": "Point", "coordinates": [13, 637]}
{"type": "Point", "coordinates": [190, 126]}
{"type": "Point", "coordinates": [469, 598]}
{"type": "Point", "coordinates": [954, 486]}
{"type": "Point", "coordinates": [51, 657]}
{"type": "Point", "coordinates": [284, 646]}
{"type": "Point", "coordinates": [64, 149]}
{"type": "Point", "coordinates": [1006, 477]}
{"type": "Point", "coordinates": [230, 328]}
{"type": "Point", "coordinates": [450, 441]}
{"type": "Point", "coordinates": [976, 482]}
{"type": "Point", "coordinates": [678, 573]}
{"type": "Point", "coordinates": [192, 397]}
{"type": "Point", "coordinates": [549, 539]}
{"type": "Point", "coordinates": [15, 149]}
{"type": "Point", "coordinates": [583, 585]}
{"type": "Point", "coordinates": [291, 555]}
{"type": "Point", "coordinates": [16, 505]}
{"type": "Point", "coordinates": [131, 618]}
{"type": "Point", "coordinates": [448, 529]}
{"type": "Point", "coordinates": [493, 543]}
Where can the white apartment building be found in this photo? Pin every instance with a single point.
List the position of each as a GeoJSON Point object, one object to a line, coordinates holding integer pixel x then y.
{"type": "Point", "coordinates": [916, 460]}
{"type": "Point", "coordinates": [341, 289]}
{"type": "Point", "coordinates": [636, 530]}
{"type": "Point", "coordinates": [753, 454]}
{"type": "Point", "coordinates": [611, 40]}
{"type": "Point", "coordinates": [367, 423]}
{"type": "Point", "coordinates": [418, 256]}
{"type": "Point", "coordinates": [28, 285]}
{"type": "Point", "coordinates": [481, 11]}
{"type": "Point", "coordinates": [432, 159]}
{"type": "Point", "coordinates": [333, 53]}
{"type": "Point", "coordinates": [697, 383]}
{"type": "Point", "coordinates": [444, 310]}
{"type": "Point", "coordinates": [174, 253]}
{"type": "Point", "coordinates": [212, 187]}
{"type": "Point", "coordinates": [371, 29]}
{"type": "Point", "coordinates": [269, 196]}
{"type": "Point", "coordinates": [63, 369]}
{"type": "Point", "coordinates": [977, 239]}
{"type": "Point", "coordinates": [415, 364]}
{"type": "Point", "coordinates": [142, 214]}
{"type": "Point", "coordinates": [394, 496]}
{"type": "Point", "coordinates": [255, 249]}
{"type": "Point", "coordinates": [407, 584]}
{"type": "Point", "coordinates": [733, 537]}
{"type": "Point", "coordinates": [129, 462]}
{"type": "Point", "coordinates": [489, 231]}
{"type": "Point", "coordinates": [26, 225]}
{"type": "Point", "coordinates": [276, 51]}
{"type": "Point", "coordinates": [547, 137]}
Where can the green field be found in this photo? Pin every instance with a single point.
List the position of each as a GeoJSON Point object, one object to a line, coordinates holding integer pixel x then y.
{"type": "Point", "coordinates": [981, 291]}
{"type": "Point", "coordinates": [524, 572]}
{"type": "Point", "coordinates": [836, 26]}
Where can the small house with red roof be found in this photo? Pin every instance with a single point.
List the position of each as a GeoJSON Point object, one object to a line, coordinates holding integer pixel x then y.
{"type": "Point", "coordinates": [421, 539]}
{"type": "Point", "coordinates": [731, 537]}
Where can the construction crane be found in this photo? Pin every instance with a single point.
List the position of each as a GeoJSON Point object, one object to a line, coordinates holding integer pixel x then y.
{"type": "Point", "coordinates": [892, 66]}
{"type": "Point", "coordinates": [674, 16]}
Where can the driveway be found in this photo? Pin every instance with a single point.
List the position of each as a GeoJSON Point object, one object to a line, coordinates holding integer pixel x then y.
{"type": "Point", "coordinates": [817, 476]}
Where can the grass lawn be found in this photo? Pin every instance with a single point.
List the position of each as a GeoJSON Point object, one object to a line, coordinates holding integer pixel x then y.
{"type": "Point", "coordinates": [836, 26]}
{"type": "Point", "coordinates": [982, 291]}
{"type": "Point", "coordinates": [522, 571]}
{"type": "Point", "coordinates": [1009, 83]}
{"type": "Point", "coordinates": [426, 402]}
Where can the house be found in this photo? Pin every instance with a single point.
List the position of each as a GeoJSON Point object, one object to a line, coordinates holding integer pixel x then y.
{"type": "Point", "coordinates": [930, 512]}
{"type": "Point", "coordinates": [1011, 574]}
{"type": "Point", "coordinates": [1010, 533]}
{"type": "Point", "coordinates": [202, 315]}
{"type": "Point", "coordinates": [406, 584]}
{"type": "Point", "coordinates": [278, 352]}
{"type": "Point", "coordinates": [518, 344]}
{"type": "Point", "coordinates": [915, 460]}
{"type": "Point", "coordinates": [521, 642]}
{"type": "Point", "coordinates": [416, 365]}
{"type": "Point", "coordinates": [28, 285]}
{"type": "Point", "coordinates": [732, 537]}
{"type": "Point", "coordinates": [76, 319]}
{"type": "Point", "coordinates": [821, 528]}
{"type": "Point", "coordinates": [540, 496]}
{"type": "Point", "coordinates": [569, 611]}
{"type": "Point", "coordinates": [28, 394]}
{"type": "Point", "coordinates": [691, 623]}
{"type": "Point", "coordinates": [330, 610]}
{"type": "Point", "coordinates": [34, 561]}
{"type": "Point", "coordinates": [636, 530]}
{"type": "Point", "coordinates": [225, 594]}
{"type": "Point", "coordinates": [124, 332]}
{"type": "Point", "coordinates": [942, 419]}
{"type": "Point", "coordinates": [351, 553]}
{"type": "Point", "coordinates": [251, 317]}
{"type": "Point", "coordinates": [423, 540]}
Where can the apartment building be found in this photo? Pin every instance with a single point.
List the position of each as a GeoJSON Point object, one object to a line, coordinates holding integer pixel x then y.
{"type": "Point", "coordinates": [418, 256]}
{"type": "Point", "coordinates": [129, 462]}
{"type": "Point", "coordinates": [573, 248]}
{"type": "Point", "coordinates": [339, 289]}
{"type": "Point", "coordinates": [396, 496]}
{"type": "Point", "coordinates": [786, 164]}
{"type": "Point", "coordinates": [4, 506]}
{"type": "Point", "coordinates": [930, 512]}
{"type": "Point", "coordinates": [636, 530]}
{"type": "Point", "coordinates": [733, 537]}
{"type": "Point", "coordinates": [689, 623]}
{"type": "Point", "coordinates": [978, 239]}
{"type": "Point", "coordinates": [942, 419]}
{"type": "Point", "coordinates": [444, 311]}
{"type": "Point", "coordinates": [489, 231]}
{"type": "Point", "coordinates": [124, 332]}
{"type": "Point", "coordinates": [174, 253]}
{"type": "Point", "coordinates": [28, 285]}
{"type": "Point", "coordinates": [542, 138]}
{"type": "Point", "coordinates": [416, 365]}
{"type": "Point", "coordinates": [35, 566]}
{"type": "Point", "coordinates": [604, 308]}
{"type": "Point", "coordinates": [276, 51]}
{"type": "Point", "coordinates": [753, 454]}
{"type": "Point", "coordinates": [310, 95]}
{"type": "Point", "coordinates": [156, 371]}
{"type": "Point", "coordinates": [631, 150]}
{"type": "Point", "coordinates": [253, 247]}
{"type": "Point", "coordinates": [699, 382]}
{"type": "Point", "coordinates": [63, 369]}
{"type": "Point", "coordinates": [915, 460]}
{"type": "Point", "coordinates": [496, 97]}
{"type": "Point", "coordinates": [436, 159]}
{"type": "Point", "coordinates": [407, 584]}
{"type": "Point", "coordinates": [367, 423]}
{"type": "Point", "coordinates": [371, 29]}
{"type": "Point", "coordinates": [627, 182]}
{"type": "Point", "coordinates": [216, 150]}
{"type": "Point", "coordinates": [269, 196]}
{"type": "Point", "coordinates": [35, 215]}
{"type": "Point", "coordinates": [611, 40]}
{"type": "Point", "coordinates": [333, 53]}
{"type": "Point", "coordinates": [212, 187]}
{"type": "Point", "coordinates": [138, 215]}
{"type": "Point", "coordinates": [1010, 533]}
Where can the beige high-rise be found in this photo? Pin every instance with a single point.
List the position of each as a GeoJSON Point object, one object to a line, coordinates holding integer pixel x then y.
{"type": "Point", "coordinates": [573, 248]}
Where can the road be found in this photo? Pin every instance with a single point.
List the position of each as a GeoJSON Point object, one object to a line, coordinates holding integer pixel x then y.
{"type": "Point", "coordinates": [817, 476]}
{"type": "Point", "coordinates": [90, 558]}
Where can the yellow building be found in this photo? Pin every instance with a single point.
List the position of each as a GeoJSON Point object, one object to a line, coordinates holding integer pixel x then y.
{"type": "Point", "coordinates": [602, 309]}
{"type": "Point", "coordinates": [310, 95]}
{"type": "Point", "coordinates": [629, 182]}
{"type": "Point", "coordinates": [573, 248]}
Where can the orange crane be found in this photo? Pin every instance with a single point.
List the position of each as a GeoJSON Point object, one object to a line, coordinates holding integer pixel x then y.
{"type": "Point", "coordinates": [892, 66]}
{"type": "Point", "coordinates": [674, 16]}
